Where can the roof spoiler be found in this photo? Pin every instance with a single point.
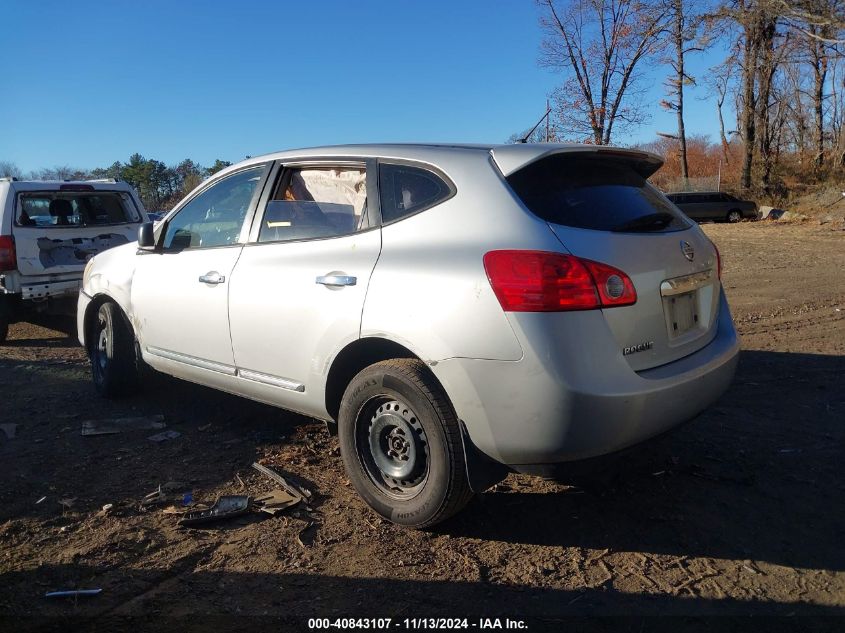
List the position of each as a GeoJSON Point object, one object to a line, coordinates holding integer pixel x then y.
{"type": "Point", "coordinates": [512, 158]}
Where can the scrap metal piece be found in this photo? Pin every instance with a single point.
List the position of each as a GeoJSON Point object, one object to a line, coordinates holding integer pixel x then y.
{"type": "Point", "coordinates": [72, 593]}
{"type": "Point", "coordinates": [160, 496]}
{"type": "Point", "coordinates": [164, 436]}
{"type": "Point", "coordinates": [296, 491]}
{"type": "Point", "coordinates": [276, 501]}
{"type": "Point", "coordinates": [226, 507]}
{"type": "Point", "coordinates": [112, 426]}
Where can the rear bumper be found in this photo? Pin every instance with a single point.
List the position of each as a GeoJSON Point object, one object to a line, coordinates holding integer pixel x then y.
{"type": "Point", "coordinates": [573, 396]}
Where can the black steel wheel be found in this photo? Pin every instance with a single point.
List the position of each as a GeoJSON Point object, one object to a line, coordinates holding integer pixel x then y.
{"type": "Point", "coordinates": [393, 447]}
{"type": "Point", "coordinates": [111, 348]}
{"type": "Point", "coordinates": [401, 444]}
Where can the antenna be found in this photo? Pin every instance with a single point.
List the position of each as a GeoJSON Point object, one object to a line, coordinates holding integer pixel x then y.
{"type": "Point", "coordinates": [525, 138]}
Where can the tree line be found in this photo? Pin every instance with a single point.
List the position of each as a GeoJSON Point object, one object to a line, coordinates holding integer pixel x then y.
{"type": "Point", "coordinates": [159, 185]}
{"type": "Point", "coordinates": [779, 64]}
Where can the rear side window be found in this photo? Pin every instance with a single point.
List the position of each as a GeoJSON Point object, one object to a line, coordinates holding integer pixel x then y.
{"type": "Point", "coordinates": [316, 202]}
{"type": "Point", "coordinates": [49, 209]}
{"type": "Point", "coordinates": [594, 193]}
{"type": "Point", "coordinates": [406, 190]}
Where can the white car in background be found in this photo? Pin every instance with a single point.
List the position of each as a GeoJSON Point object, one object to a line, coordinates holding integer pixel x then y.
{"type": "Point", "coordinates": [48, 232]}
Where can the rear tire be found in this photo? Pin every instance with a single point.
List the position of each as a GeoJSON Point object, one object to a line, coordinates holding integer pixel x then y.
{"type": "Point", "coordinates": [401, 444]}
{"type": "Point", "coordinates": [112, 351]}
{"type": "Point", "coordinates": [734, 216]}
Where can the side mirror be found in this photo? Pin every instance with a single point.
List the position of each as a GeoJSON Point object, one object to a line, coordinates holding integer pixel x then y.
{"type": "Point", "coordinates": [146, 236]}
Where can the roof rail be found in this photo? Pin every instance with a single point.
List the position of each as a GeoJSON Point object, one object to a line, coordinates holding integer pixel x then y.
{"type": "Point", "coordinates": [103, 180]}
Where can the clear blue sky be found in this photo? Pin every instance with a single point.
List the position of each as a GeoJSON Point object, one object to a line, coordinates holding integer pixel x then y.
{"type": "Point", "coordinates": [87, 83]}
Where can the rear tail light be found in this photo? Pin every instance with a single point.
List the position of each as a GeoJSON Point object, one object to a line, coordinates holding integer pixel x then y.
{"type": "Point", "coordinates": [540, 281]}
{"type": "Point", "coordinates": [718, 259]}
{"type": "Point", "coordinates": [8, 257]}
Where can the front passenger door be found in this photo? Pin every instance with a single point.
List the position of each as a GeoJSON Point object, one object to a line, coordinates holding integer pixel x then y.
{"type": "Point", "coordinates": [180, 290]}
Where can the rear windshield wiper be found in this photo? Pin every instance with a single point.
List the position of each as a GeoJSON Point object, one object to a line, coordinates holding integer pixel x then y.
{"type": "Point", "coordinates": [650, 222]}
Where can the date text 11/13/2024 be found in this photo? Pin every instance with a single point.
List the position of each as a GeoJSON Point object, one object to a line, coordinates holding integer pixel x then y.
{"type": "Point", "coordinates": [434, 624]}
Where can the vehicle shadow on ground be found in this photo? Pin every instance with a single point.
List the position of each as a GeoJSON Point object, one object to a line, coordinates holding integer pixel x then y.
{"type": "Point", "coordinates": [234, 600]}
{"type": "Point", "coordinates": [757, 477]}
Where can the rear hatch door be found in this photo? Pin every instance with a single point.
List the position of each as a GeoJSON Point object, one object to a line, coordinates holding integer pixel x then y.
{"type": "Point", "coordinates": [58, 228]}
{"type": "Point", "coordinates": [600, 206]}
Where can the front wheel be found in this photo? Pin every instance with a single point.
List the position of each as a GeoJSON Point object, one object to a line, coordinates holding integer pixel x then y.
{"type": "Point", "coordinates": [401, 444]}
{"type": "Point", "coordinates": [112, 351]}
{"type": "Point", "coordinates": [734, 216]}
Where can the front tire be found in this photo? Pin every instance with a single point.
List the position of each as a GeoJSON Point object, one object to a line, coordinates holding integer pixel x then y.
{"type": "Point", "coordinates": [112, 352]}
{"type": "Point", "coordinates": [734, 216]}
{"type": "Point", "coordinates": [401, 444]}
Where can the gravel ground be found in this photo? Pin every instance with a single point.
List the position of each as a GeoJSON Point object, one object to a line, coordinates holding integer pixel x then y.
{"type": "Point", "coordinates": [738, 513]}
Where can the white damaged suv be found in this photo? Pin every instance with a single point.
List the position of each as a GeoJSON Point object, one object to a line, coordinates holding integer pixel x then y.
{"type": "Point", "coordinates": [457, 311]}
{"type": "Point", "coordinates": [48, 232]}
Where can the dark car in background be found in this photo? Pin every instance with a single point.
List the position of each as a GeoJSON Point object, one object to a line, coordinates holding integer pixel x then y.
{"type": "Point", "coordinates": [714, 205]}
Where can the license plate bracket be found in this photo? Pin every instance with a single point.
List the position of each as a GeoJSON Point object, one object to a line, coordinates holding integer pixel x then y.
{"type": "Point", "coordinates": [683, 314]}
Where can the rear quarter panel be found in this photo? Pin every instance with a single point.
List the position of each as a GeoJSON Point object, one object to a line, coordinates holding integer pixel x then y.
{"type": "Point", "coordinates": [429, 290]}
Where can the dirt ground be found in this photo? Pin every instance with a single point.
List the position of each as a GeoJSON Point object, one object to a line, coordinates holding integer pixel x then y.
{"type": "Point", "coordinates": [738, 513]}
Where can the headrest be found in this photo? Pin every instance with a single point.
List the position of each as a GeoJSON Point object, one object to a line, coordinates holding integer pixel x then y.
{"type": "Point", "coordinates": [60, 207]}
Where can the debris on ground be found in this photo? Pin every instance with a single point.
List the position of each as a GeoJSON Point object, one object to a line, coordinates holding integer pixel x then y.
{"type": "Point", "coordinates": [296, 491]}
{"type": "Point", "coordinates": [10, 430]}
{"type": "Point", "coordinates": [164, 436]}
{"type": "Point", "coordinates": [276, 501]}
{"type": "Point", "coordinates": [72, 593]}
{"type": "Point", "coordinates": [67, 502]}
{"type": "Point", "coordinates": [226, 507]}
{"type": "Point", "coordinates": [306, 536]}
{"type": "Point", "coordinates": [112, 426]}
{"type": "Point", "coordinates": [168, 493]}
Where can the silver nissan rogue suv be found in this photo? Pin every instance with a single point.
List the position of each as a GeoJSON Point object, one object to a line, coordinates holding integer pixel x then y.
{"type": "Point", "coordinates": [456, 311]}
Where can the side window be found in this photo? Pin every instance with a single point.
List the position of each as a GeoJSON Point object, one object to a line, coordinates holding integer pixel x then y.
{"type": "Point", "coordinates": [405, 190]}
{"type": "Point", "coordinates": [314, 202]}
{"type": "Point", "coordinates": [215, 216]}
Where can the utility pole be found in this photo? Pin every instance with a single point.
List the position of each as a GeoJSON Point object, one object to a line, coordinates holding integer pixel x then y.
{"type": "Point", "coordinates": [548, 110]}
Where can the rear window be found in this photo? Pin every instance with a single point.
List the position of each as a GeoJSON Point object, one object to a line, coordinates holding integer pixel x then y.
{"type": "Point", "coordinates": [57, 209]}
{"type": "Point", "coordinates": [406, 190]}
{"type": "Point", "coordinates": [594, 193]}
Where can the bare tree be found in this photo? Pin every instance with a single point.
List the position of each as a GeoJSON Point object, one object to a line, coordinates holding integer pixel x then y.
{"type": "Point", "coordinates": [598, 45]}
{"type": "Point", "coordinates": [683, 29]}
{"type": "Point", "coordinates": [821, 20]}
{"type": "Point", "coordinates": [9, 170]}
{"type": "Point", "coordinates": [719, 80]}
{"type": "Point", "coordinates": [756, 26]}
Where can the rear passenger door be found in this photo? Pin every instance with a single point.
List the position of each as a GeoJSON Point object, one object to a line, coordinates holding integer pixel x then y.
{"type": "Point", "coordinates": [298, 289]}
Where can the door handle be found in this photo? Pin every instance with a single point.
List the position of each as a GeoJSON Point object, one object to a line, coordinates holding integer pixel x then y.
{"type": "Point", "coordinates": [337, 280]}
{"type": "Point", "coordinates": [212, 277]}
